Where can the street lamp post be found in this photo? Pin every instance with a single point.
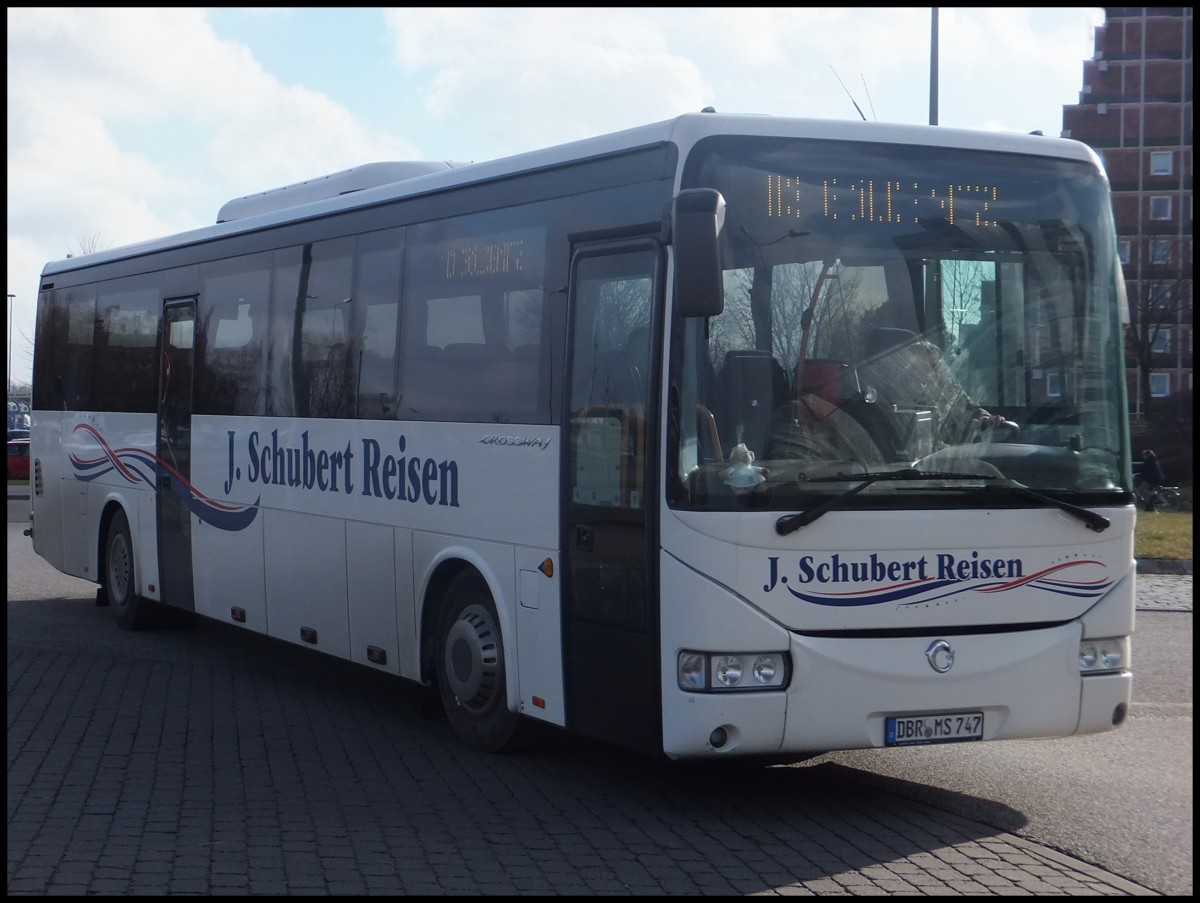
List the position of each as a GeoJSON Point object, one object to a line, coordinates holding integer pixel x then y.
{"type": "Point", "coordinates": [933, 68]}
{"type": "Point", "coordinates": [11, 300]}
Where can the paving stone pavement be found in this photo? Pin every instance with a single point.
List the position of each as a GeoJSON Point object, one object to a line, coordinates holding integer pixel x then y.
{"type": "Point", "coordinates": [212, 764]}
{"type": "Point", "coordinates": [202, 777]}
{"type": "Point", "coordinates": [1164, 592]}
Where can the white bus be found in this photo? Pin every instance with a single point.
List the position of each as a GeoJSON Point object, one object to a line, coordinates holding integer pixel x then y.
{"type": "Point", "coordinates": [722, 436]}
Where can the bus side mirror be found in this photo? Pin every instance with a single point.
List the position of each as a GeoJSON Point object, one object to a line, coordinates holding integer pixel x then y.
{"type": "Point", "coordinates": [697, 218]}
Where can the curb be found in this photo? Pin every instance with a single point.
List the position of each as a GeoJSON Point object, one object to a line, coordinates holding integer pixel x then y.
{"type": "Point", "coordinates": [1175, 566]}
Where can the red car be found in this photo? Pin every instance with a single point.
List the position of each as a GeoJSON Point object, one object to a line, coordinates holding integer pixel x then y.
{"type": "Point", "coordinates": [18, 459]}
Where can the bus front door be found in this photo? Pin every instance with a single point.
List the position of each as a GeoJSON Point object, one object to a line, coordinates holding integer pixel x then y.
{"type": "Point", "coordinates": [610, 611]}
{"type": "Point", "coordinates": [174, 450]}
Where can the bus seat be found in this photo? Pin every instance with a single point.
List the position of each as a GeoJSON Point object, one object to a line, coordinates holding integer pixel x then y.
{"type": "Point", "coordinates": [837, 384]}
{"type": "Point", "coordinates": [750, 386]}
{"type": "Point", "coordinates": [824, 377]}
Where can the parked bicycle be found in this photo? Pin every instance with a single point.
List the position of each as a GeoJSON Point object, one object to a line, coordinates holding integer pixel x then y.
{"type": "Point", "coordinates": [1163, 498]}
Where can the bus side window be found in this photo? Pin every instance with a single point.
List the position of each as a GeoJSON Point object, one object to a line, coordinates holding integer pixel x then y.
{"type": "Point", "coordinates": [313, 289]}
{"type": "Point", "coordinates": [376, 388]}
{"type": "Point", "coordinates": [521, 373]}
{"type": "Point", "coordinates": [376, 322]}
{"type": "Point", "coordinates": [65, 333]}
{"type": "Point", "coordinates": [125, 374]}
{"type": "Point", "coordinates": [231, 336]}
{"type": "Point", "coordinates": [231, 363]}
{"type": "Point", "coordinates": [437, 377]}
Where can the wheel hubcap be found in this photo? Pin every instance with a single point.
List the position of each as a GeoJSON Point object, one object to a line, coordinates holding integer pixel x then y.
{"type": "Point", "coordinates": [118, 571]}
{"type": "Point", "coordinates": [473, 662]}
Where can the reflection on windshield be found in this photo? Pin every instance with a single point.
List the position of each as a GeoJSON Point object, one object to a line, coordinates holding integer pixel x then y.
{"type": "Point", "coordinates": [863, 343]}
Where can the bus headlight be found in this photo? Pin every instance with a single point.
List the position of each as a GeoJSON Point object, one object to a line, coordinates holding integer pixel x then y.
{"type": "Point", "coordinates": [692, 669]}
{"type": "Point", "coordinates": [714, 672]}
{"type": "Point", "coordinates": [1104, 654]}
{"type": "Point", "coordinates": [727, 671]}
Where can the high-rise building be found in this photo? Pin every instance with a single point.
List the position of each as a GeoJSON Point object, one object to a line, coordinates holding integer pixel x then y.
{"type": "Point", "coordinates": [1135, 111]}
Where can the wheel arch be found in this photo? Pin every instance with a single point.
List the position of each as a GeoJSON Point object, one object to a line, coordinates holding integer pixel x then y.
{"type": "Point", "coordinates": [432, 597]}
{"type": "Point", "coordinates": [107, 513]}
{"type": "Point", "coordinates": [442, 572]}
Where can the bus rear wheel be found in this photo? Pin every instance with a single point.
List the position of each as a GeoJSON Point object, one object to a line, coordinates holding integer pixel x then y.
{"type": "Point", "coordinates": [470, 668]}
{"type": "Point", "coordinates": [120, 586]}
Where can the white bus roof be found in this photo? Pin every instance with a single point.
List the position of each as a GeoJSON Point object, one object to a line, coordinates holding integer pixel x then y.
{"type": "Point", "coordinates": [377, 183]}
{"type": "Point", "coordinates": [369, 175]}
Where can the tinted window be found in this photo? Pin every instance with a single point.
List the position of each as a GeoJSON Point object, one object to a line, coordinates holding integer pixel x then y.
{"type": "Point", "coordinates": [125, 375]}
{"type": "Point", "coordinates": [471, 335]}
{"type": "Point", "coordinates": [232, 331]}
{"type": "Point", "coordinates": [377, 322]}
{"type": "Point", "coordinates": [62, 366]}
{"type": "Point", "coordinates": [310, 315]}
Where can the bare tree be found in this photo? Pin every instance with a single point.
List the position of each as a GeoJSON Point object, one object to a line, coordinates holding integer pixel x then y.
{"type": "Point", "coordinates": [20, 343]}
{"type": "Point", "coordinates": [788, 296]}
{"type": "Point", "coordinates": [88, 244]}
{"type": "Point", "coordinates": [962, 295]}
{"type": "Point", "coordinates": [1155, 310]}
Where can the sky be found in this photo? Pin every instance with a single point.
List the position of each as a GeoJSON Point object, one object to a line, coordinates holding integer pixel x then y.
{"type": "Point", "coordinates": [131, 124]}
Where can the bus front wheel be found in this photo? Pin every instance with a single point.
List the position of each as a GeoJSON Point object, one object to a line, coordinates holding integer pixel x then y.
{"type": "Point", "coordinates": [131, 610]}
{"type": "Point", "coordinates": [470, 668]}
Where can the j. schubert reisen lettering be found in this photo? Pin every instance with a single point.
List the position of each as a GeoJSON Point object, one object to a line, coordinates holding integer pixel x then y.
{"type": "Point", "coordinates": [385, 474]}
{"type": "Point", "coordinates": [874, 568]}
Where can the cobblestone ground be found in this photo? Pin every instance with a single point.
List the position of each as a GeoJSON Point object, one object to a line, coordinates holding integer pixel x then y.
{"type": "Point", "coordinates": [207, 761]}
{"type": "Point", "coordinates": [202, 769]}
{"type": "Point", "coordinates": [1164, 592]}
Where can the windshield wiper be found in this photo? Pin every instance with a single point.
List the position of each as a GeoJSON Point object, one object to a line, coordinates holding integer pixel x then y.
{"type": "Point", "coordinates": [1094, 521]}
{"type": "Point", "coordinates": [790, 523]}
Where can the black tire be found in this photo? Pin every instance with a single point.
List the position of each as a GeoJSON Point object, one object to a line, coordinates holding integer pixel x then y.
{"type": "Point", "coordinates": [1166, 500]}
{"type": "Point", "coordinates": [119, 579]}
{"type": "Point", "coordinates": [470, 668]}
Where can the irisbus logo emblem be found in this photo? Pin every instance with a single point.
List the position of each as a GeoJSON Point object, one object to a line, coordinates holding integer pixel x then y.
{"type": "Point", "coordinates": [849, 581]}
{"type": "Point", "coordinates": [940, 655]}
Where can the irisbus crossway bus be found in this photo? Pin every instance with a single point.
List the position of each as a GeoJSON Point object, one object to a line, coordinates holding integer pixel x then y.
{"type": "Point", "coordinates": [721, 436]}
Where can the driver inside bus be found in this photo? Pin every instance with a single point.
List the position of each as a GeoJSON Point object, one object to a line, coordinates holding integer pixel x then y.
{"type": "Point", "coordinates": [815, 430]}
{"type": "Point", "coordinates": [906, 371]}
{"type": "Point", "coordinates": [904, 380]}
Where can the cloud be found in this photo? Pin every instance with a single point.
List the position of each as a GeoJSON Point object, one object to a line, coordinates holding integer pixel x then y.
{"type": "Point", "coordinates": [515, 80]}
{"type": "Point", "coordinates": [127, 124]}
{"type": "Point", "coordinates": [997, 58]}
{"type": "Point", "coordinates": [133, 123]}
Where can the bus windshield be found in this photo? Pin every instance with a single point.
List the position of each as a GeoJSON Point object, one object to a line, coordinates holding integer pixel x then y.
{"type": "Point", "coordinates": [944, 312]}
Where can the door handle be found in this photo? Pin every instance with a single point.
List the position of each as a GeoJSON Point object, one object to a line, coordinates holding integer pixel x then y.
{"type": "Point", "coordinates": [583, 538]}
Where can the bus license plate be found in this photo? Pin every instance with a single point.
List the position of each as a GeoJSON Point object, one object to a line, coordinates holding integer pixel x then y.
{"type": "Point", "coordinates": [913, 730]}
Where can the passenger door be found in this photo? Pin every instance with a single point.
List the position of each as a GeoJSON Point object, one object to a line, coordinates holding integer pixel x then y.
{"type": "Point", "coordinates": [611, 626]}
{"type": "Point", "coordinates": [174, 450]}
